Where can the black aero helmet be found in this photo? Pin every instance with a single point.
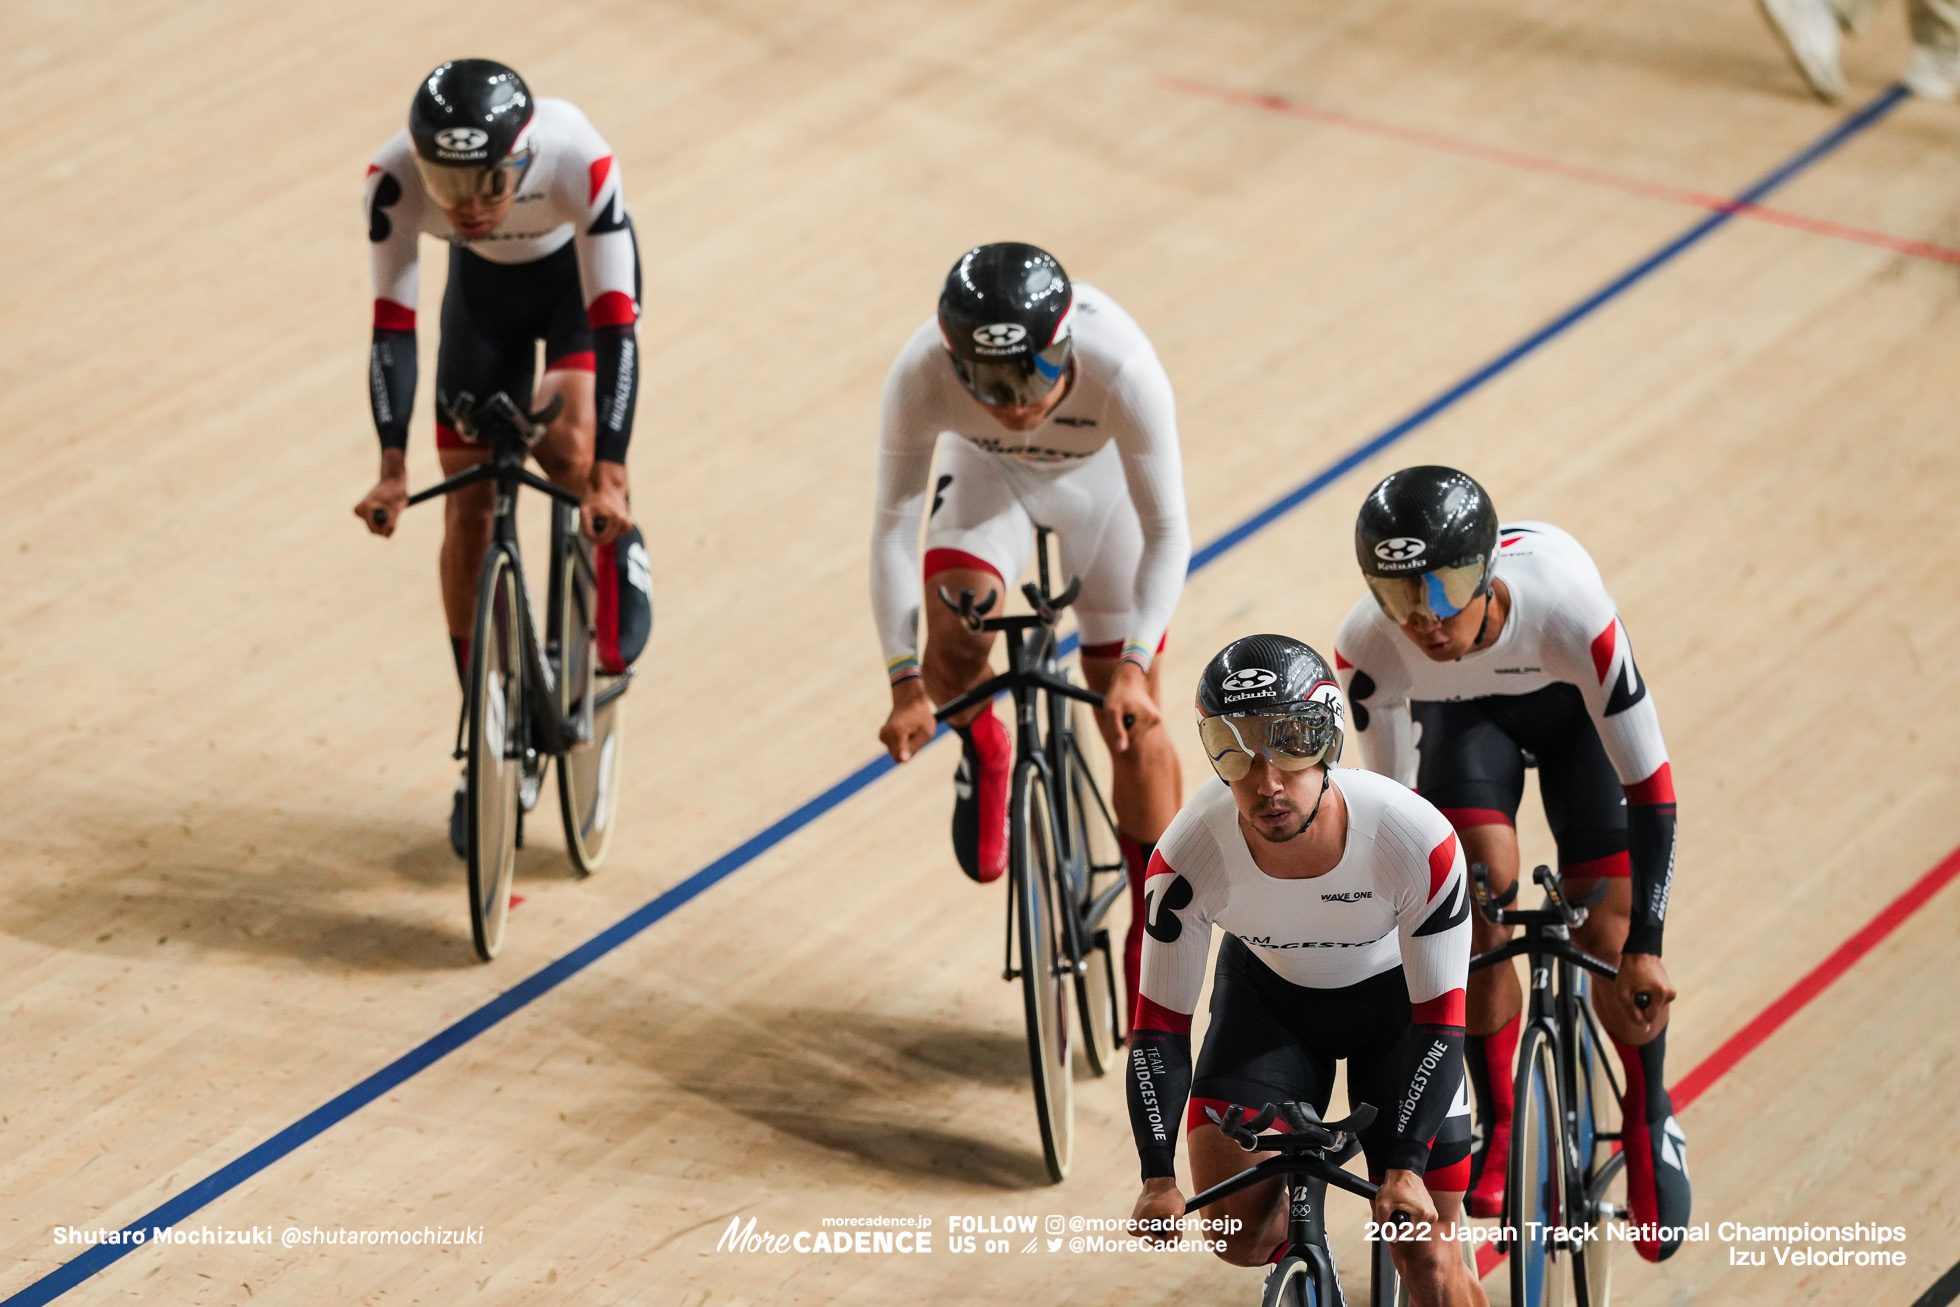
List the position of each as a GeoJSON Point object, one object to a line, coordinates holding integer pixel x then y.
{"type": "Point", "coordinates": [470, 125]}
{"type": "Point", "coordinates": [1426, 539]}
{"type": "Point", "coordinates": [1005, 316]}
{"type": "Point", "coordinates": [1269, 694]}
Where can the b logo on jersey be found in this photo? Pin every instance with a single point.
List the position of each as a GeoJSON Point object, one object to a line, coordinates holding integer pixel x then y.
{"type": "Point", "coordinates": [1248, 678]}
{"type": "Point", "coordinates": [1159, 914]}
{"type": "Point", "coordinates": [1000, 335]}
{"type": "Point", "coordinates": [462, 139]}
{"type": "Point", "coordinates": [1400, 549]}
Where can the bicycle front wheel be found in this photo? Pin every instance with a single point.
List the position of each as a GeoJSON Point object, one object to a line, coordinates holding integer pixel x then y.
{"type": "Point", "coordinates": [1045, 969]}
{"type": "Point", "coordinates": [496, 751]}
{"type": "Point", "coordinates": [1290, 1284]}
{"type": "Point", "coordinates": [1540, 1266]}
{"type": "Point", "coordinates": [1097, 853]}
{"type": "Point", "coordinates": [588, 772]}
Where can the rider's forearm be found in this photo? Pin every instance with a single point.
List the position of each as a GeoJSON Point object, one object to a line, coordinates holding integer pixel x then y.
{"type": "Point", "coordinates": [1435, 1073]}
{"type": "Point", "coordinates": [1650, 855]}
{"type": "Point", "coordinates": [1159, 1084]}
{"type": "Point", "coordinates": [391, 384]}
{"type": "Point", "coordinates": [1650, 858]}
{"type": "Point", "coordinates": [616, 388]}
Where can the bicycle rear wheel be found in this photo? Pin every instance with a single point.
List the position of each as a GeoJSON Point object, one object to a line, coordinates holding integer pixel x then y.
{"type": "Point", "coordinates": [588, 773]}
{"type": "Point", "coordinates": [496, 751]}
{"type": "Point", "coordinates": [1541, 1269]}
{"type": "Point", "coordinates": [1045, 969]}
{"type": "Point", "coordinates": [1096, 854]}
{"type": "Point", "coordinates": [1602, 1169]}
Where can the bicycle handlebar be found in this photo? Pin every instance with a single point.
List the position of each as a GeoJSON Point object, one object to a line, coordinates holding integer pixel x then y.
{"type": "Point", "coordinates": [1564, 910]}
{"type": "Point", "coordinates": [506, 463]}
{"type": "Point", "coordinates": [1314, 1147]}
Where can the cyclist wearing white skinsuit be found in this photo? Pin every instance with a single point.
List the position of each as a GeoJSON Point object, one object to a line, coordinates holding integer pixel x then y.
{"type": "Point", "coordinates": [1030, 400]}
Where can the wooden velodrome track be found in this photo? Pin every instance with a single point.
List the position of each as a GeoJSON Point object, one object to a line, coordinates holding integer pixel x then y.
{"type": "Point", "coordinates": [228, 894]}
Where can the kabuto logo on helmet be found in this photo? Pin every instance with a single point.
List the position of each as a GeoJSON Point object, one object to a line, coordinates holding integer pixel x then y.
{"type": "Point", "coordinates": [1000, 337]}
{"type": "Point", "coordinates": [1400, 549]}
{"type": "Point", "coordinates": [462, 139]}
{"type": "Point", "coordinates": [1248, 678]}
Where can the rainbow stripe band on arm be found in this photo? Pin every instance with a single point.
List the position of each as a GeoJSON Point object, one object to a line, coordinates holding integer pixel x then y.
{"type": "Point", "coordinates": [902, 669]}
{"type": "Point", "coordinates": [1136, 651]}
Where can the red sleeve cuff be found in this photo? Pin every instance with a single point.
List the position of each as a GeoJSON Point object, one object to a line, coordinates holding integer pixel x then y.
{"type": "Point", "coordinates": [1443, 1010]}
{"type": "Point", "coordinates": [1154, 1016]}
{"type": "Point", "coordinates": [1658, 788]}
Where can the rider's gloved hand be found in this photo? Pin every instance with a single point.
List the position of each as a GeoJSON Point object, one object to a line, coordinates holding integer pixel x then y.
{"type": "Point", "coordinates": [1642, 974]}
{"type": "Point", "coordinates": [910, 726]}
{"type": "Point", "coordinates": [1127, 705]}
{"type": "Point", "coordinates": [1404, 1191]}
{"type": "Point", "coordinates": [604, 509]}
{"type": "Point", "coordinates": [382, 508]}
{"type": "Point", "coordinates": [1158, 1206]}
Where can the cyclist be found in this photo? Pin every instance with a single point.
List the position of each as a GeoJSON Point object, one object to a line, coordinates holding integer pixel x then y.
{"type": "Point", "coordinates": [1034, 400]}
{"type": "Point", "coordinates": [541, 247]}
{"type": "Point", "coordinates": [1478, 650]}
{"type": "Point", "coordinates": [1346, 916]}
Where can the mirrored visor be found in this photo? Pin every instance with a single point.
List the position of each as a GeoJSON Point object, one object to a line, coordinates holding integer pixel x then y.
{"type": "Point", "coordinates": [1439, 594]}
{"type": "Point", "coordinates": [456, 188]}
{"type": "Point", "coordinates": [1291, 741]}
{"type": "Point", "coordinates": [1015, 382]}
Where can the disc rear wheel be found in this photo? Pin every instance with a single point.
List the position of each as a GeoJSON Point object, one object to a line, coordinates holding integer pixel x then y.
{"type": "Point", "coordinates": [1602, 1168]}
{"type": "Point", "coordinates": [1540, 1266]}
{"type": "Point", "coordinates": [1096, 854]}
{"type": "Point", "coordinates": [496, 752]}
{"type": "Point", "coordinates": [1045, 971]}
{"type": "Point", "coordinates": [588, 772]}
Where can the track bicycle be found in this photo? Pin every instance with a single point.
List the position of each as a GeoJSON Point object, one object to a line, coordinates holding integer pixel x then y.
{"type": "Point", "coordinates": [1065, 864]}
{"type": "Point", "coordinates": [528, 699]}
{"type": "Point", "coordinates": [1309, 1160]}
{"type": "Point", "coordinates": [1564, 1158]}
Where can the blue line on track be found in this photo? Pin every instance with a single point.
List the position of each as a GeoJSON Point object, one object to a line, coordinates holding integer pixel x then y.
{"type": "Point", "coordinates": [543, 981]}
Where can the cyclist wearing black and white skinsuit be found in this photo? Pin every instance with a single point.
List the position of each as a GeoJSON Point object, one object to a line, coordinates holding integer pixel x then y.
{"type": "Point", "coordinates": [1343, 900]}
{"type": "Point", "coordinates": [1551, 680]}
{"type": "Point", "coordinates": [1096, 459]}
{"type": "Point", "coordinates": [541, 249]}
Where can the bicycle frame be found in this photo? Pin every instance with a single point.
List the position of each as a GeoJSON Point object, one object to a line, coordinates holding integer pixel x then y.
{"type": "Point", "coordinates": [543, 657]}
{"type": "Point", "coordinates": [1306, 1170]}
{"type": "Point", "coordinates": [1556, 1005]}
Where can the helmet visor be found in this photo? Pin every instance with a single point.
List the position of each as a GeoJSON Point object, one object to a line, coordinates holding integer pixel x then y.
{"type": "Point", "coordinates": [1290, 741]}
{"type": "Point", "coordinates": [479, 184]}
{"type": "Point", "coordinates": [1437, 594]}
{"type": "Point", "coordinates": [1015, 382]}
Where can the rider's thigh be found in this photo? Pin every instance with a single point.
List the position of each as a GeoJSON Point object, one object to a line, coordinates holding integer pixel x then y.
{"type": "Point", "coordinates": [565, 451]}
{"type": "Point", "coordinates": [466, 510]}
{"type": "Point", "coordinates": [955, 656]}
{"type": "Point", "coordinates": [1260, 1209]}
{"type": "Point", "coordinates": [1605, 927]}
{"type": "Point", "coordinates": [1101, 543]}
{"type": "Point", "coordinates": [1495, 844]}
{"type": "Point", "coordinates": [975, 517]}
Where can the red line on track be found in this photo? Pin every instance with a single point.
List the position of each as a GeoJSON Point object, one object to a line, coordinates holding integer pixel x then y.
{"type": "Point", "coordinates": [1794, 999]}
{"type": "Point", "coordinates": [1569, 172]}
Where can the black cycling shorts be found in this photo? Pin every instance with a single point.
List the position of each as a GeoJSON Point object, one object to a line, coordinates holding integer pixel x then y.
{"type": "Point", "coordinates": [1272, 1041]}
{"type": "Point", "coordinates": [1473, 758]}
{"type": "Point", "coordinates": [493, 316]}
